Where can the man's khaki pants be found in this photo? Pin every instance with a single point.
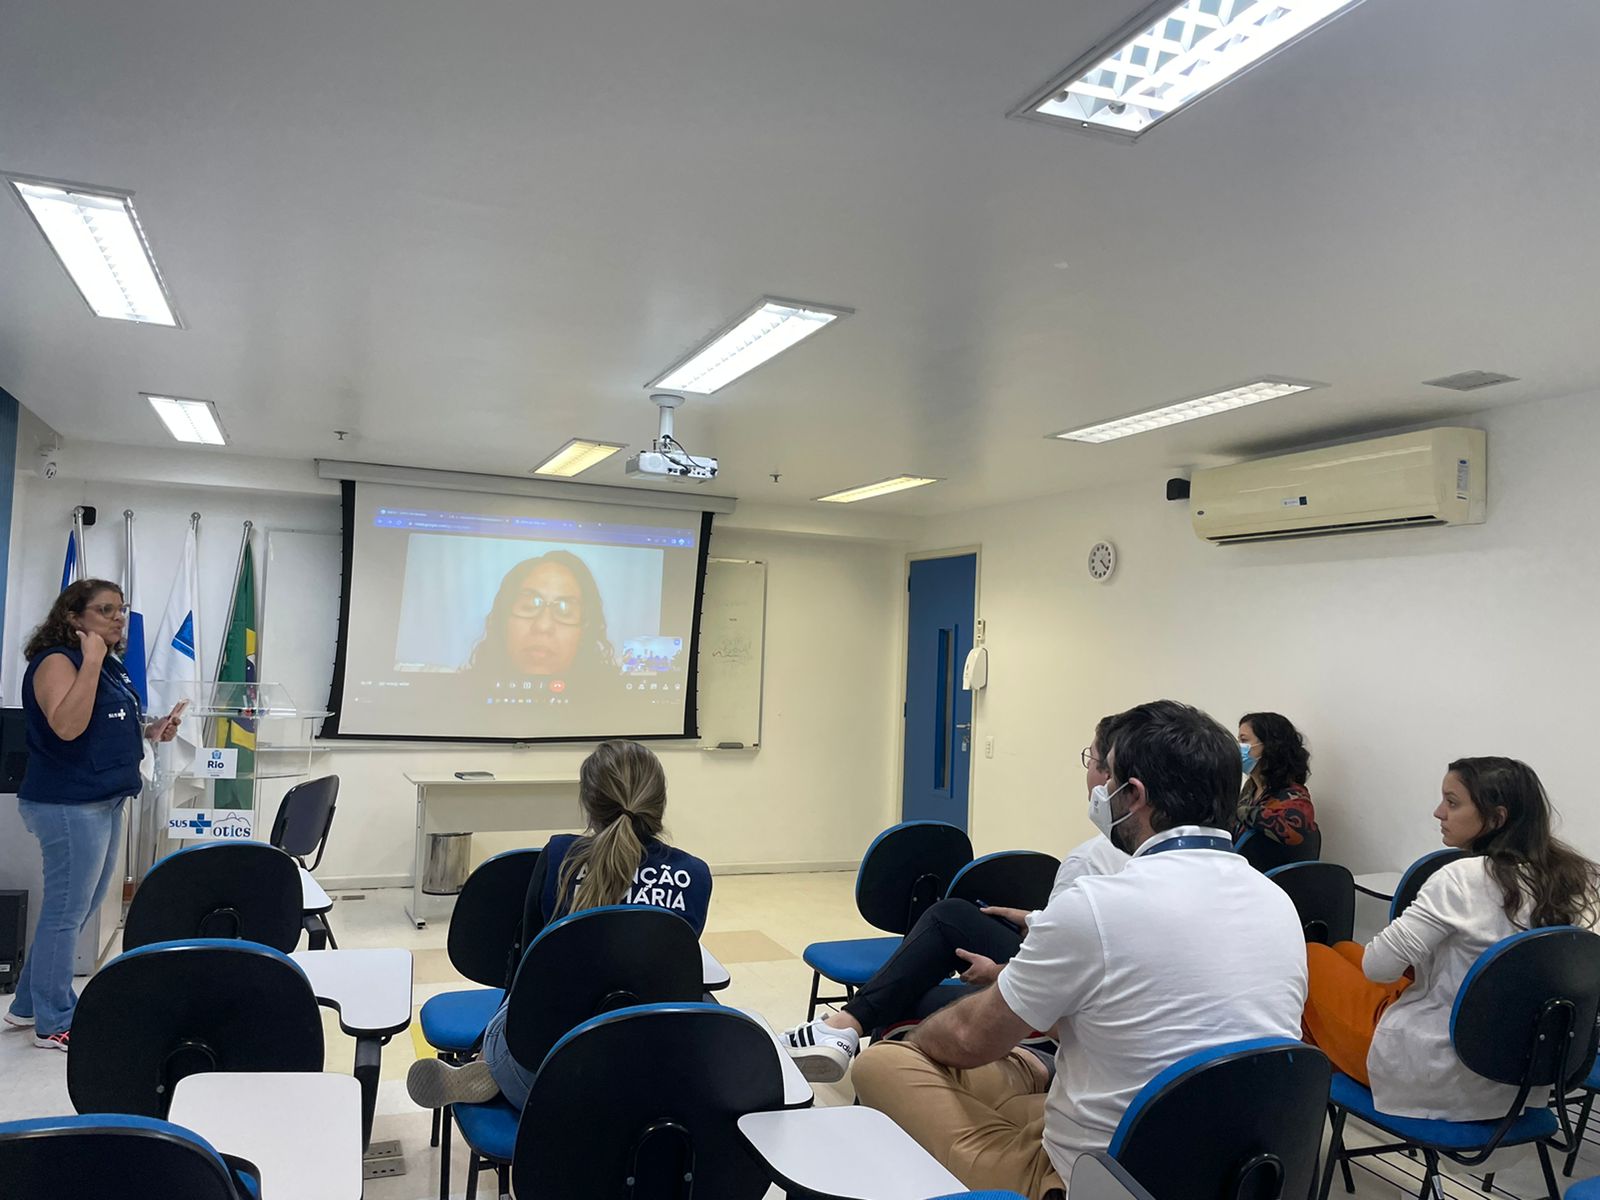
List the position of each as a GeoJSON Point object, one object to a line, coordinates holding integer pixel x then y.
{"type": "Point", "coordinates": [985, 1125]}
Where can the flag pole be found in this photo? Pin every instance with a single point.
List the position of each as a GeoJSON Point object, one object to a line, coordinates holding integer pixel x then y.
{"type": "Point", "coordinates": [77, 530]}
{"type": "Point", "coordinates": [233, 597]}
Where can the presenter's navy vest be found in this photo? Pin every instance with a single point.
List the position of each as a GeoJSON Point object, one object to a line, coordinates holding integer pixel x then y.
{"type": "Point", "coordinates": [668, 878]}
{"type": "Point", "coordinates": [102, 762]}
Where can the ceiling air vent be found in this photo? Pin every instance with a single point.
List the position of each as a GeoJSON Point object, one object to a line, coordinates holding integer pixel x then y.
{"type": "Point", "coordinates": [1469, 381]}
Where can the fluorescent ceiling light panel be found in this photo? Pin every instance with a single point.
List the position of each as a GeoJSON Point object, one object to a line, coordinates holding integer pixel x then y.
{"type": "Point", "coordinates": [189, 420]}
{"type": "Point", "coordinates": [763, 333]}
{"type": "Point", "coordinates": [1173, 55]}
{"type": "Point", "coordinates": [882, 488]}
{"type": "Point", "coordinates": [97, 237]}
{"type": "Point", "coordinates": [1189, 410]}
{"type": "Point", "coordinates": [577, 456]}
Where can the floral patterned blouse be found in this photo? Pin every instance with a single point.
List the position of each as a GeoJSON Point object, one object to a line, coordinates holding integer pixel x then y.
{"type": "Point", "coordinates": [1284, 816]}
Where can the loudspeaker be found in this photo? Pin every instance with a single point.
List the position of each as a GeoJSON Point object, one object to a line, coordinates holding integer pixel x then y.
{"type": "Point", "coordinates": [13, 932]}
{"type": "Point", "coordinates": [13, 749]}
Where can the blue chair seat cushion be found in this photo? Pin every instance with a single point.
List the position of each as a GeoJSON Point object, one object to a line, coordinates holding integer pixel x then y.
{"type": "Point", "coordinates": [490, 1129]}
{"type": "Point", "coordinates": [455, 1021]}
{"type": "Point", "coordinates": [1533, 1125]}
{"type": "Point", "coordinates": [852, 962]}
{"type": "Point", "coordinates": [1588, 1189]}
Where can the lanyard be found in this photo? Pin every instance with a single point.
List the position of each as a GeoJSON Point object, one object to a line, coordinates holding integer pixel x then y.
{"type": "Point", "coordinates": [1188, 843]}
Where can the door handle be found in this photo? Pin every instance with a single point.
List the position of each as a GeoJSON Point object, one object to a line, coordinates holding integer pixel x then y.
{"type": "Point", "coordinates": [968, 725]}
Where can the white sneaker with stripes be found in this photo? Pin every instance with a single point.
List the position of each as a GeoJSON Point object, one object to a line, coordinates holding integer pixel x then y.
{"type": "Point", "coordinates": [822, 1052]}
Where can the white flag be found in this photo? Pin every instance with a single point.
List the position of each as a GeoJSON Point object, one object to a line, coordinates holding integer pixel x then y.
{"type": "Point", "coordinates": [174, 666]}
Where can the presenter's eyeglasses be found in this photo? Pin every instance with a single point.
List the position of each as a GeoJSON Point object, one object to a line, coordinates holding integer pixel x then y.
{"type": "Point", "coordinates": [108, 611]}
{"type": "Point", "coordinates": [530, 606]}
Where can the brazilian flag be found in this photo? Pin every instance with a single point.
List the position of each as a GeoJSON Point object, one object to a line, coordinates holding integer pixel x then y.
{"type": "Point", "coordinates": [239, 666]}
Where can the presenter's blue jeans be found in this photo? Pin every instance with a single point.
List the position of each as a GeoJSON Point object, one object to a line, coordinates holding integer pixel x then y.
{"type": "Point", "coordinates": [79, 844]}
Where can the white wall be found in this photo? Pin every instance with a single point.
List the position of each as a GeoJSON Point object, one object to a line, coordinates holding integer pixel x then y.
{"type": "Point", "coordinates": [822, 784]}
{"type": "Point", "coordinates": [1394, 652]}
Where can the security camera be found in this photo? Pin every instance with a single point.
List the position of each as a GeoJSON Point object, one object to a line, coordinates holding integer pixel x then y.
{"type": "Point", "coordinates": [50, 469]}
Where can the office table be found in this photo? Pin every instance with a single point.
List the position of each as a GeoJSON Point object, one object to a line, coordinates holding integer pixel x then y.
{"type": "Point", "coordinates": [302, 1130]}
{"type": "Point", "coordinates": [371, 991]}
{"type": "Point", "coordinates": [797, 1091]}
{"type": "Point", "coordinates": [713, 974]}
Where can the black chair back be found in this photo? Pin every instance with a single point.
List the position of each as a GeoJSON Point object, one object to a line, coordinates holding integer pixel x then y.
{"type": "Point", "coordinates": [906, 870]}
{"type": "Point", "coordinates": [662, 1128]}
{"type": "Point", "coordinates": [1324, 895]}
{"type": "Point", "coordinates": [246, 890]}
{"type": "Point", "coordinates": [1525, 1014]}
{"type": "Point", "coordinates": [156, 1015]}
{"type": "Point", "coordinates": [1263, 853]}
{"type": "Point", "coordinates": [111, 1157]}
{"type": "Point", "coordinates": [1241, 1121]}
{"type": "Point", "coordinates": [1417, 874]}
{"type": "Point", "coordinates": [1011, 878]}
{"type": "Point", "coordinates": [485, 940]}
{"type": "Point", "coordinates": [592, 962]}
{"type": "Point", "coordinates": [304, 818]}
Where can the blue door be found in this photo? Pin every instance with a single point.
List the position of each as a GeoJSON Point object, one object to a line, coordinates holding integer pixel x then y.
{"type": "Point", "coordinates": [938, 712]}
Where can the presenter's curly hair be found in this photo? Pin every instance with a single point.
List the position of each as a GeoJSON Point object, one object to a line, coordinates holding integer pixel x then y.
{"type": "Point", "coordinates": [623, 791]}
{"type": "Point", "coordinates": [1524, 856]}
{"type": "Point", "coordinates": [57, 628]}
{"type": "Point", "coordinates": [594, 649]}
{"type": "Point", "coordinates": [1284, 757]}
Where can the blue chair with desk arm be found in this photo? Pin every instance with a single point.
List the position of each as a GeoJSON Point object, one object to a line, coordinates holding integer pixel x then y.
{"type": "Point", "coordinates": [1583, 1096]}
{"type": "Point", "coordinates": [904, 871]}
{"type": "Point", "coordinates": [581, 966]}
{"type": "Point", "coordinates": [669, 1126]}
{"type": "Point", "coordinates": [1008, 878]}
{"type": "Point", "coordinates": [1417, 874]}
{"type": "Point", "coordinates": [157, 1014]}
{"type": "Point", "coordinates": [1524, 1017]}
{"type": "Point", "coordinates": [300, 829]}
{"type": "Point", "coordinates": [1273, 1093]}
{"type": "Point", "coordinates": [1324, 896]}
{"type": "Point", "coordinates": [1264, 853]}
{"type": "Point", "coordinates": [245, 890]}
{"type": "Point", "coordinates": [112, 1157]}
{"type": "Point", "coordinates": [485, 944]}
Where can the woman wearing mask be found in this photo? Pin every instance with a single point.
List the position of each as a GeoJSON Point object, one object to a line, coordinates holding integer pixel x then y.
{"type": "Point", "coordinates": [1274, 799]}
{"type": "Point", "coordinates": [86, 733]}
{"type": "Point", "coordinates": [621, 858]}
{"type": "Point", "coordinates": [1382, 1013]}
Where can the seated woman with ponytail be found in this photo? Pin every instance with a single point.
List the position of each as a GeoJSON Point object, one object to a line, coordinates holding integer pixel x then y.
{"type": "Point", "coordinates": [1382, 1013]}
{"type": "Point", "coordinates": [620, 858]}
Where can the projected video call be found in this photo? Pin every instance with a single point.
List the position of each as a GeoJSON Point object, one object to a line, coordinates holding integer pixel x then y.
{"type": "Point", "coordinates": [506, 617]}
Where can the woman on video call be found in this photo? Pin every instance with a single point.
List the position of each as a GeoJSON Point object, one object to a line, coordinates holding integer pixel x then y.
{"type": "Point", "coordinates": [547, 621]}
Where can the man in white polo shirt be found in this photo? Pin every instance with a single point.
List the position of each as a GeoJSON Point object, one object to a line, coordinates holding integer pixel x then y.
{"type": "Point", "coordinates": [1186, 947]}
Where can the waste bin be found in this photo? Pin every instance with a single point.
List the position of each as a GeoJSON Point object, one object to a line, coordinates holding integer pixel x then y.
{"type": "Point", "coordinates": [444, 865]}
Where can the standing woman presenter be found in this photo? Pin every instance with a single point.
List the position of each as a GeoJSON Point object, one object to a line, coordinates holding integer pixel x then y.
{"type": "Point", "coordinates": [86, 736]}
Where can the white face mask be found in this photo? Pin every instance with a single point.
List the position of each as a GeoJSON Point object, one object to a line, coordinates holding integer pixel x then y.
{"type": "Point", "coordinates": [1100, 809]}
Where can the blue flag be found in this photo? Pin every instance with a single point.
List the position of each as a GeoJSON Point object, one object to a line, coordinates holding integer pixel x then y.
{"type": "Point", "coordinates": [133, 657]}
{"type": "Point", "coordinates": [69, 568]}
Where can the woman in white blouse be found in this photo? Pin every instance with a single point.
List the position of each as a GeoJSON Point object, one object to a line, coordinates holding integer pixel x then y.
{"type": "Point", "coordinates": [1382, 1013]}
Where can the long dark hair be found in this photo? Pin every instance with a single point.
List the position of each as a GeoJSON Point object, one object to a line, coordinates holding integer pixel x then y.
{"type": "Point", "coordinates": [57, 628]}
{"type": "Point", "coordinates": [594, 647]}
{"type": "Point", "coordinates": [1284, 757]}
{"type": "Point", "coordinates": [1525, 858]}
{"type": "Point", "coordinates": [623, 791]}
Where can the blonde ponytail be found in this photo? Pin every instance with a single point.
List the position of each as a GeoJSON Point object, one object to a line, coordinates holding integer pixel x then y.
{"type": "Point", "coordinates": [623, 791]}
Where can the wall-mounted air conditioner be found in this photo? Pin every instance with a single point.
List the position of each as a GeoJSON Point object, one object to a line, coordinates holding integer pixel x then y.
{"type": "Point", "coordinates": [1435, 477]}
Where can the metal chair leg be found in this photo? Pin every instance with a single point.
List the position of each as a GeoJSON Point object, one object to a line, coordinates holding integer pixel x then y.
{"type": "Point", "coordinates": [816, 986]}
{"type": "Point", "coordinates": [444, 1154]}
{"type": "Point", "coordinates": [1336, 1118]}
{"type": "Point", "coordinates": [1430, 1180]}
{"type": "Point", "coordinates": [1577, 1133]}
{"type": "Point", "coordinates": [504, 1175]}
{"type": "Point", "coordinates": [472, 1176]}
{"type": "Point", "coordinates": [1552, 1188]}
{"type": "Point", "coordinates": [433, 1134]}
{"type": "Point", "coordinates": [1488, 1182]}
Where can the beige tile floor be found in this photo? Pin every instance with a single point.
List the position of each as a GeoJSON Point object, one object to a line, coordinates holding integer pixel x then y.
{"type": "Point", "coordinates": [759, 925]}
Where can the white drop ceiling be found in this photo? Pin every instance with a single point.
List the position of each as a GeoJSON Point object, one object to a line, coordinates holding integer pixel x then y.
{"type": "Point", "coordinates": [467, 232]}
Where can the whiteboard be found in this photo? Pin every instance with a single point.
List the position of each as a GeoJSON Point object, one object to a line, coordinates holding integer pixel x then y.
{"type": "Point", "coordinates": [733, 618]}
{"type": "Point", "coordinates": [300, 592]}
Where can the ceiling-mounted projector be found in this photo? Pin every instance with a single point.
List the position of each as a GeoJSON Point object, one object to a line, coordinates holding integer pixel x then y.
{"type": "Point", "coordinates": [666, 458]}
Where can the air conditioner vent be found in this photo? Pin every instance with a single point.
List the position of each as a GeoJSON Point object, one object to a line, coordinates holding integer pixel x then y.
{"type": "Point", "coordinates": [1469, 381]}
